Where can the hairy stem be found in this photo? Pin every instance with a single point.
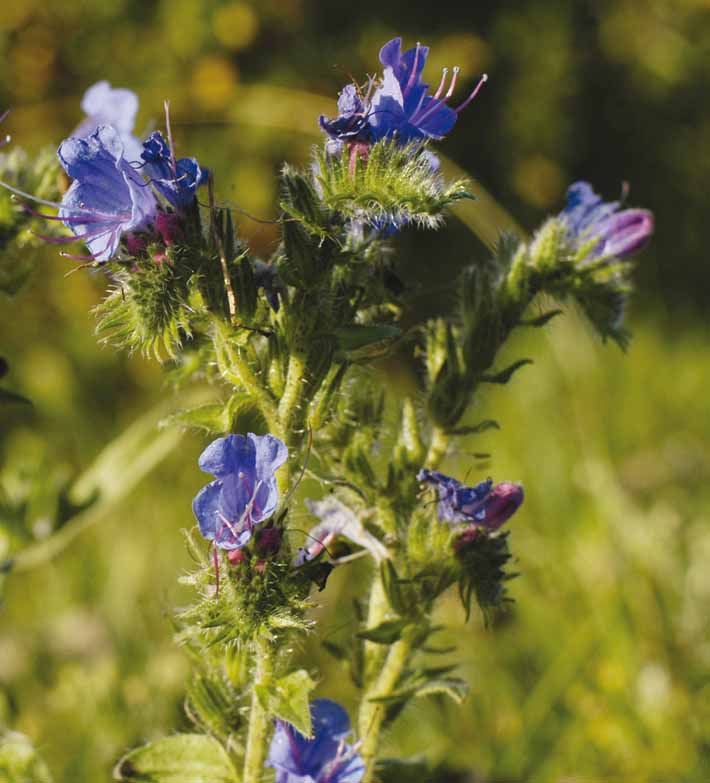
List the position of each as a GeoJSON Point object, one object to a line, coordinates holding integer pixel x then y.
{"type": "Point", "coordinates": [372, 714]}
{"type": "Point", "coordinates": [237, 371]}
{"type": "Point", "coordinates": [259, 722]}
{"type": "Point", "coordinates": [291, 400]}
{"type": "Point", "coordinates": [377, 613]}
{"type": "Point", "coordinates": [437, 448]}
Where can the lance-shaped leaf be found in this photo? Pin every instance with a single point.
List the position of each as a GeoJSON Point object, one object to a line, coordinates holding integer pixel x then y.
{"type": "Point", "coordinates": [183, 758]}
{"type": "Point", "coordinates": [505, 375]}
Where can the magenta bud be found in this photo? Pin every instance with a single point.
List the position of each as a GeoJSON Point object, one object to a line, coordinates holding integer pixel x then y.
{"type": "Point", "coordinates": [626, 232]}
{"type": "Point", "coordinates": [236, 556]}
{"type": "Point", "coordinates": [135, 244]}
{"type": "Point", "coordinates": [268, 540]}
{"type": "Point", "coordinates": [501, 503]}
{"type": "Point", "coordinates": [169, 228]}
{"type": "Point", "coordinates": [260, 566]}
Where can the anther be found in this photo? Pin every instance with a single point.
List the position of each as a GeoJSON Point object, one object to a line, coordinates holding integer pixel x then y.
{"type": "Point", "coordinates": [453, 83]}
{"type": "Point", "coordinates": [468, 100]}
{"type": "Point", "coordinates": [440, 88]}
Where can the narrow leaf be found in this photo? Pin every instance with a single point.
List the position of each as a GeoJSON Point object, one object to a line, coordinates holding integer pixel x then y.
{"type": "Point", "coordinates": [386, 632]}
{"type": "Point", "coordinates": [505, 375]}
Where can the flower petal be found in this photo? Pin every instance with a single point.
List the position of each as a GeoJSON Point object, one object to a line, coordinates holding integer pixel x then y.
{"type": "Point", "coordinates": [206, 507]}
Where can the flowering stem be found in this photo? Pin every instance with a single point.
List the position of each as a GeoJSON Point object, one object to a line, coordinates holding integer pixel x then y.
{"type": "Point", "coordinates": [372, 714]}
{"type": "Point", "coordinates": [258, 717]}
{"type": "Point", "coordinates": [377, 613]}
{"type": "Point", "coordinates": [437, 448]}
{"type": "Point", "coordinates": [291, 399]}
{"type": "Point", "coordinates": [237, 371]}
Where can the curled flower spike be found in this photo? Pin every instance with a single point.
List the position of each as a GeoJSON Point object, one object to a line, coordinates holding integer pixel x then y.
{"type": "Point", "coordinates": [244, 492]}
{"type": "Point", "coordinates": [617, 233]}
{"type": "Point", "coordinates": [481, 505]}
{"type": "Point", "coordinates": [326, 758]}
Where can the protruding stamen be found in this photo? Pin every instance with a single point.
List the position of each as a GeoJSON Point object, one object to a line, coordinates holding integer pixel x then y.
{"type": "Point", "coordinates": [468, 100]}
{"type": "Point", "coordinates": [440, 88]}
{"type": "Point", "coordinates": [453, 83]}
{"type": "Point", "coordinates": [413, 74]}
{"type": "Point", "coordinates": [169, 131]}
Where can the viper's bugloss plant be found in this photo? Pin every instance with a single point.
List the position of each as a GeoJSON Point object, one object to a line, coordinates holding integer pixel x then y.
{"type": "Point", "coordinates": [290, 348]}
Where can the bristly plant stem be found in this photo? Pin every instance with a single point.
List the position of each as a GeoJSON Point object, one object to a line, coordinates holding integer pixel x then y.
{"type": "Point", "coordinates": [437, 448]}
{"type": "Point", "coordinates": [372, 714]}
{"type": "Point", "coordinates": [237, 371]}
{"type": "Point", "coordinates": [259, 721]}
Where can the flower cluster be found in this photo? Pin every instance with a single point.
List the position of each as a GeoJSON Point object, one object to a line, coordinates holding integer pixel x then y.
{"type": "Point", "coordinates": [121, 188]}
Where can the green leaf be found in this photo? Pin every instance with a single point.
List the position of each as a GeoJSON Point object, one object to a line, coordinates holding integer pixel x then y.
{"type": "Point", "coordinates": [184, 758]}
{"type": "Point", "coordinates": [453, 687]}
{"type": "Point", "coordinates": [288, 699]}
{"type": "Point", "coordinates": [355, 336]}
{"type": "Point", "coordinates": [386, 632]}
{"type": "Point", "coordinates": [8, 398]}
{"type": "Point", "coordinates": [476, 429]}
{"type": "Point", "coordinates": [392, 587]}
{"type": "Point", "coordinates": [211, 417]}
{"type": "Point", "coordinates": [505, 375]}
{"type": "Point", "coordinates": [20, 762]}
{"type": "Point", "coordinates": [541, 320]}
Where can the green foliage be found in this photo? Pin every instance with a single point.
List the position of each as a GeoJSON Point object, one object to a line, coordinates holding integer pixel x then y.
{"type": "Point", "coordinates": [19, 761]}
{"type": "Point", "coordinates": [289, 698]}
{"type": "Point", "coordinates": [182, 758]}
{"type": "Point", "coordinates": [40, 176]}
{"type": "Point", "coordinates": [256, 598]}
{"type": "Point", "coordinates": [395, 185]}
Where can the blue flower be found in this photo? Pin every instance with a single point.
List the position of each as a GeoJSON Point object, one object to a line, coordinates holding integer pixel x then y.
{"type": "Point", "coordinates": [244, 492]}
{"type": "Point", "coordinates": [104, 105]}
{"type": "Point", "coordinates": [401, 106]}
{"type": "Point", "coordinates": [482, 505]}
{"type": "Point", "coordinates": [326, 758]}
{"type": "Point", "coordinates": [176, 180]}
{"type": "Point", "coordinates": [108, 197]}
{"type": "Point", "coordinates": [589, 217]}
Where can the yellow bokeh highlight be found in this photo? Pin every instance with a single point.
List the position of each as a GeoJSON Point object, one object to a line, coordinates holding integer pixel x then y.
{"type": "Point", "coordinates": [214, 82]}
{"type": "Point", "coordinates": [539, 180]}
{"type": "Point", "coordinates": [467, 51]}
{"type": "Point", "coordinates": [235, 25]}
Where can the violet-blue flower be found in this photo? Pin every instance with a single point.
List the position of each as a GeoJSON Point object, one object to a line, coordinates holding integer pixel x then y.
{"type": "Point", "coordinates": [400, 107]}
{"type": "Point", "coordinates": [244, 492]}
{"type": "Point", "coordinates": [108, 197]}
{"type": "Point", "coordinates": [617, 233]}
{"type": "Point", "coordinates": [106, 105]}
{"type": "Point", "coordinates": [326, 758]}
{"type": "Point", "coordinates": [481, 505]}
{"type": "Point", "coordinates": [177, 181]}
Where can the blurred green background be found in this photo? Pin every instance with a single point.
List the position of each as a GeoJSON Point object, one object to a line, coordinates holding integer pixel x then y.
{"type": "Point", "coordinates": [602, 673]}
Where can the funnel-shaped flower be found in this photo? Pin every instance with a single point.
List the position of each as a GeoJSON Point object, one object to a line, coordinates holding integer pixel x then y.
{"type": "Point", "coordinates": [244, 492]}
{"type": "Point", "coordinates": [326, 758]}
{"type": "Point", "coordinates": [105, 105]}
{"type": "Point", "coordinates": [108, 197]}
{"type": "Point", "coordinates": [400, 106]}
{"type": "Point", "coordinates": [617, 233]}
{"type": "Point", "coordinates": [481, 505]}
